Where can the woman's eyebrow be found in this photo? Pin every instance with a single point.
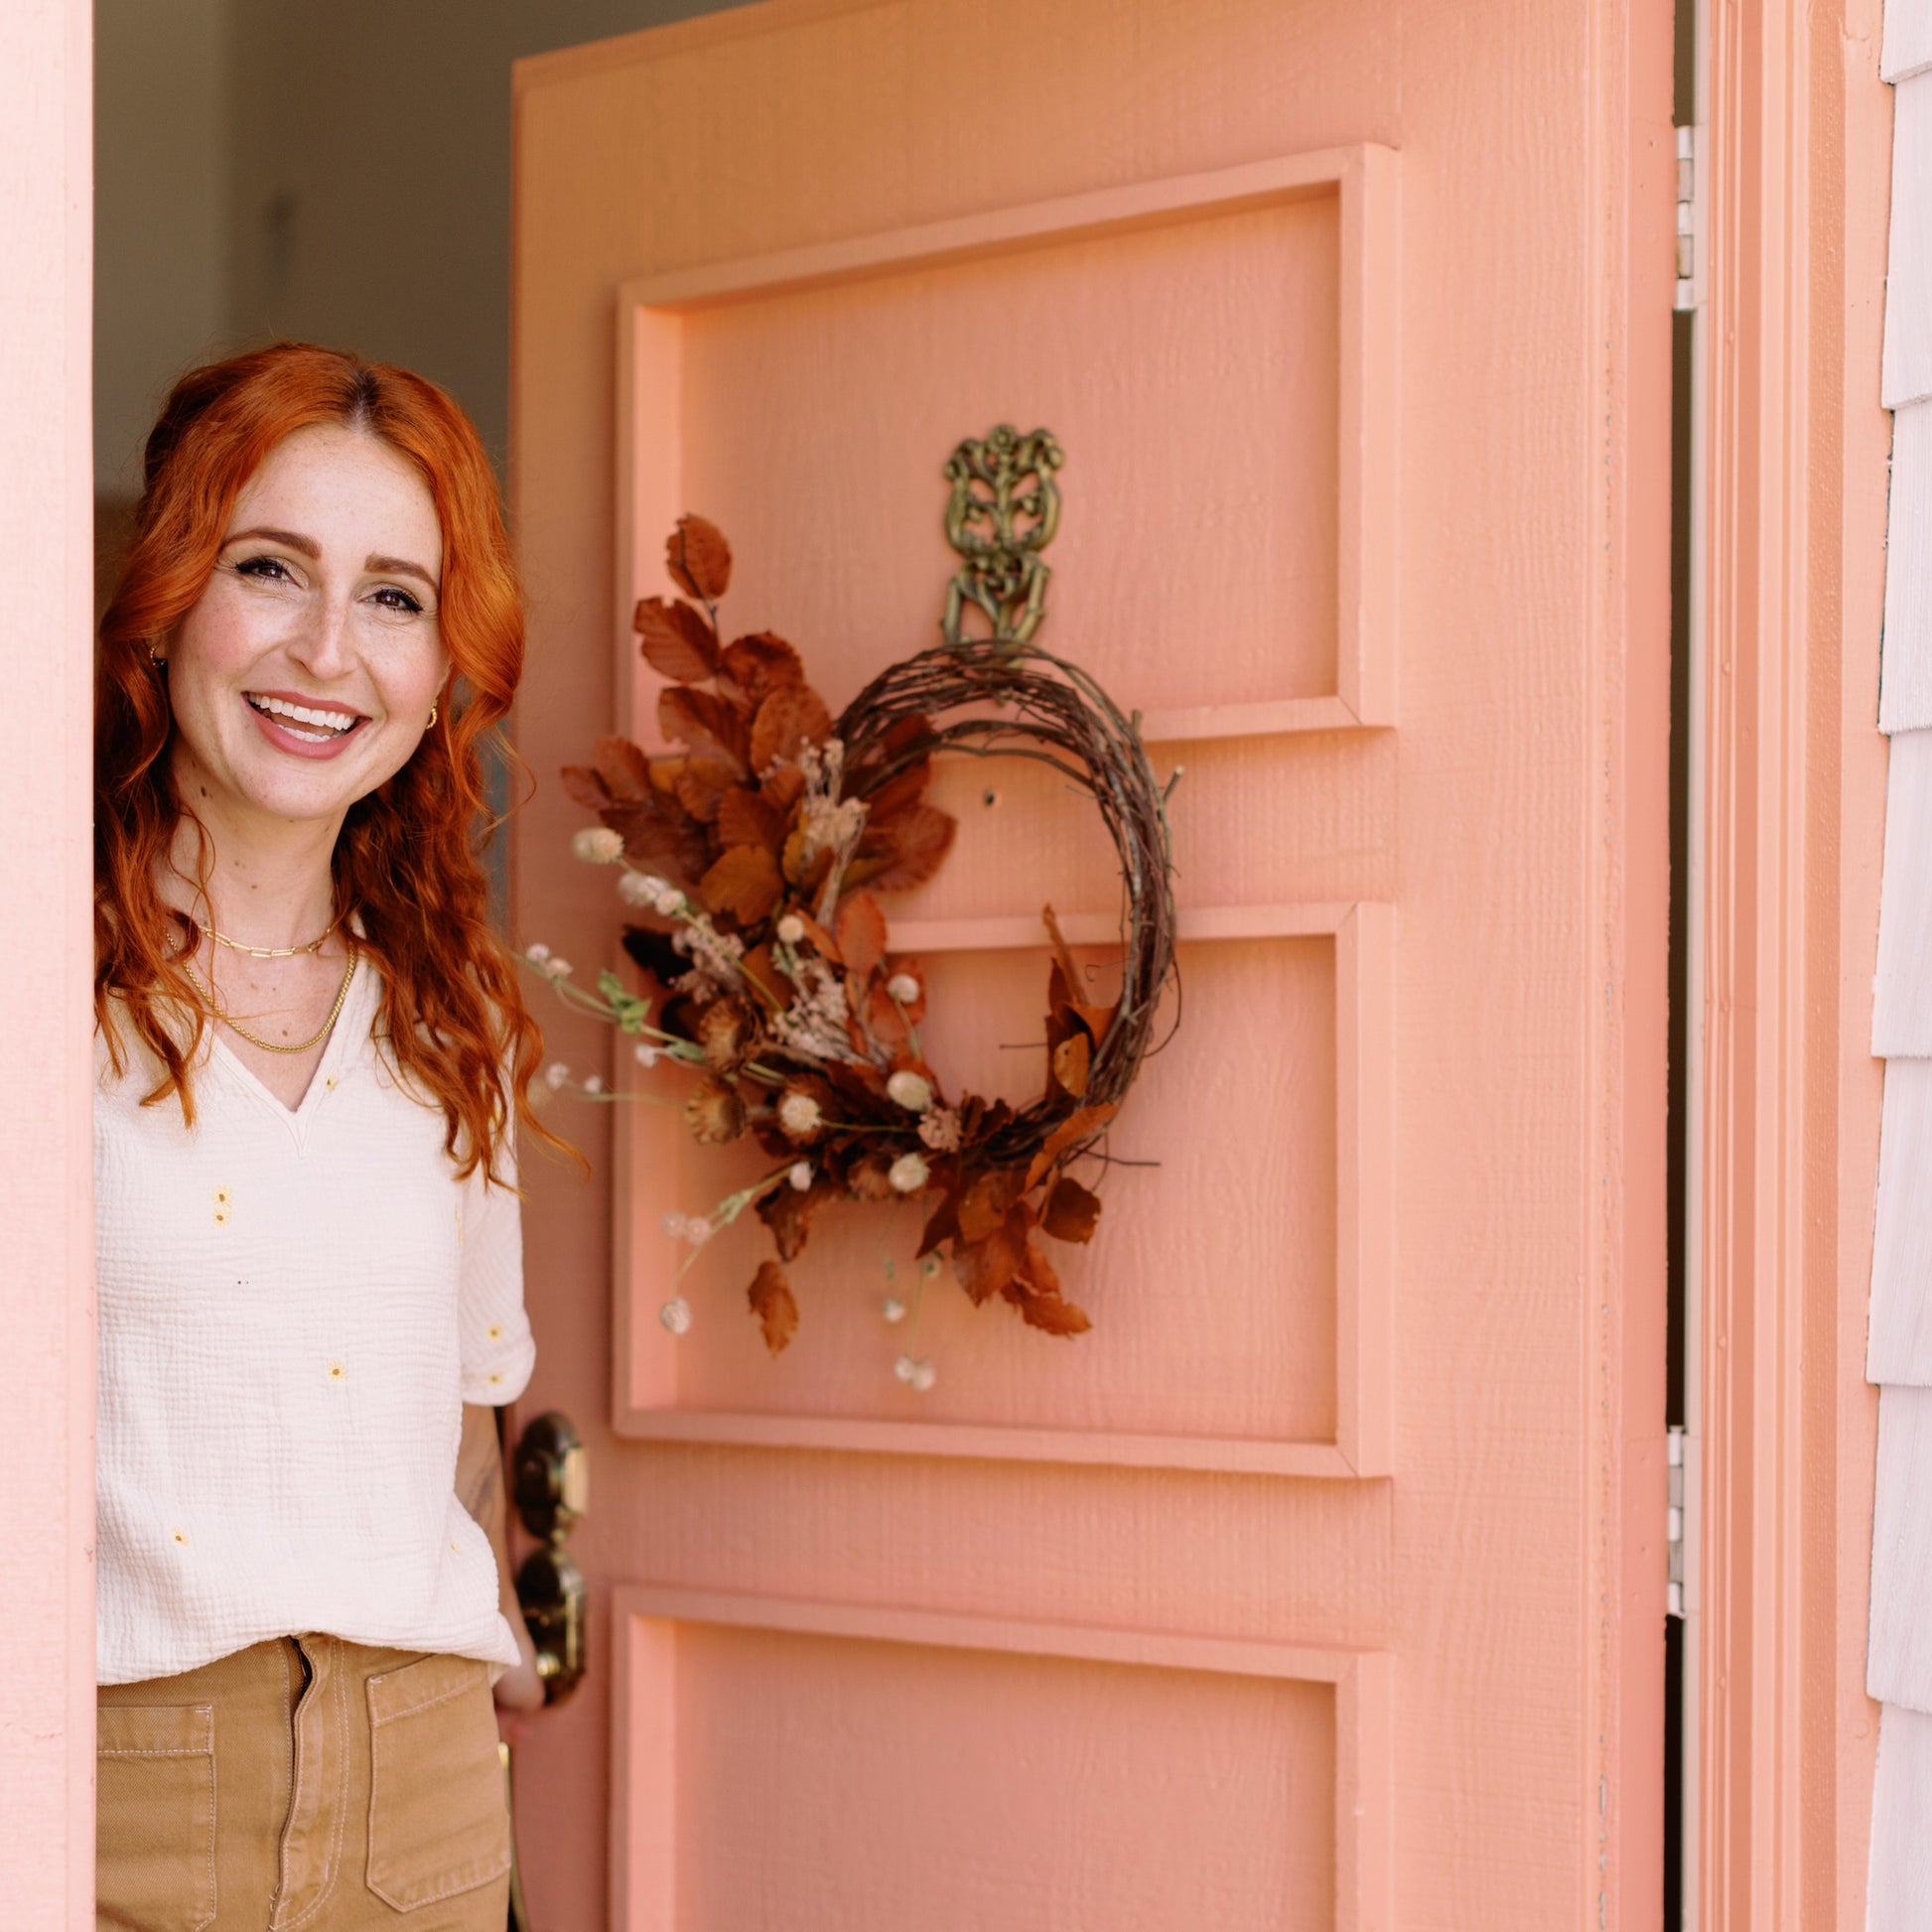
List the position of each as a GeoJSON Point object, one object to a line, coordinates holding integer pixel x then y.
{"type": "Point", "coordinates": [399, 567]}
{"type": "Point", "coordinates": [306, 545]}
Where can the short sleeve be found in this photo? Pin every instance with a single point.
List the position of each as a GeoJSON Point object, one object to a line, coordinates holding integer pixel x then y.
{"type": "Point", "coordinates": [497, 1349]}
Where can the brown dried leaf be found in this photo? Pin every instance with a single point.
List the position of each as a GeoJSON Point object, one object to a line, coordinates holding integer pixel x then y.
{"type": "Point", "coordinates": [793, 715]}
{"type": "Point", "coordinates": [701, 788]}
{"type": "Point", "coordinates": [698, 558]}
{"type": "Point", "coordinates": [827, 947]}
{"type": "Point", "coordinates": [899, 793]}
{"type": "Point", "coordinates": [705, 722]}
{"type": "Point", "coordinates": [772, 1302]}
{"type": "Point", "coordinates": [984, 1268]}
{"type": "Point", "coordinates": [906, 852]}
{"type": "Point", "coordinates": [623, 766]}
{"type": "Point", "coordinates": [883, 1019]}
{"type": "Point", "coordinates": [743, 883]}
{"type": "Point", "coordinates": [745, 818]}
{"type": "Point", "coordinates": [660, 840]}
{"type": "Point", "coordinates": [1072, 1058]}
{"type": "Point", "coordinates": [1074, 1128]}
{"type": "Point", "coordinates": [761, 969]}
{"type": "Point", "coordinates": [788, 1213]}
{"type": "Point", "coordinates": [676, 639]}
{"type": "Point", "coordinates": [870, 1177]}
{"type": "Point", "coordinates": [861, 931]}
{"type": "Point", "coordinates": [760, 664]}
{"type": "Point", "coordinates": [1059, 997]}
{"type": "Point", "coordinates": [782, 788]}
{"type": "Point", "coordinates": [1071, 1211]}
{"type": "Point", "coordinates": [944, 1224]}
{"type": "Point", "coordinates": [989, 1202]}
{"type": "Point", "coordinates": [586, 787]}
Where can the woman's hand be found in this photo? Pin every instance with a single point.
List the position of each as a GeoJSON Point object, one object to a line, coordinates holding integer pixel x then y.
{"type": "Point", "coordinates": [519, 1690]}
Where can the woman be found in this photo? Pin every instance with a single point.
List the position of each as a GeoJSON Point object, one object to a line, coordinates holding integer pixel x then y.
{"type": "Point", "coordinates": [313, 1055]}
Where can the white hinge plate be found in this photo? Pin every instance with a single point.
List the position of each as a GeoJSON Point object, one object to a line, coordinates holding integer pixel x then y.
{"type": "Point", "coordinates": [1687, 260]}
{"type": "Point", "coordinates": [1674, 1523]}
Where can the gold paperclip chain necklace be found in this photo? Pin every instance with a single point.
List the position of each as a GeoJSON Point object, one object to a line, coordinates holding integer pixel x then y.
{"type": "Point", "coordinates": [255, 1039]}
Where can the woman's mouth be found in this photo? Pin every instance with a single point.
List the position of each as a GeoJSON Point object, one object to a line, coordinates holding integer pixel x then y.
{"type": "Point", "coordinates": [310, 727]}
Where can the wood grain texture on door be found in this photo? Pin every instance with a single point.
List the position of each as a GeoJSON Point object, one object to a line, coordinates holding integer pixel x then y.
{"type": "Point", "coordinates": [1298, 1591]}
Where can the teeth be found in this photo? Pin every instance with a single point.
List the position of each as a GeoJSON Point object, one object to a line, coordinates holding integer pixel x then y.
{"type": "Point", "coordinates": [331, 723]}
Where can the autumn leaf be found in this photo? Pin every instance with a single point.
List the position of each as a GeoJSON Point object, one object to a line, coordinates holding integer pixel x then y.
{"type": "Point", "coordinates": [943, 1224]}
{"type": "Point", "coordinates": [660, 838]}
{"type": "Point", "coordinates": [789, 1215]}
{"type": "Point", "coordinates": [728, 1031]}
{"type": "Point", "coordinates": [861, 932]}
{"type": "Point", "coordinates": [586, 787]}
{"type": "Point", "coordinates": [1076, 1126]}
{"type": "Point", "coordinates": [623, 766]}
{"type": "Point", "coordinates": [984, 1268]}
{"type": "Point", "coordinates": [745, 818]}
{"type": "Point", "coordinates": [987, 1202]}
{"type": "Point", "coordinates": [760, 664]}
{"type": "Point", "coordinates": [782, 788]}
{"type": "Point", "coordinates": [743, 883]}
{"type": "Point", "coordinates": [904, 853]}
{"type": "Point", "coordinates": [1071, 1211]}
{"type": "Point", "coordinates": [699, 559]}
{"type": "Point", "coordinates": [793, 715]}
{"type": "Point", "coordinates": [761, 969]}
{"type": "Point", "coordinates": [899, 793]}
{"type": "Point", "coordinates": [705, 722]}
{"type": "Point", "coordinates": [1035, 1289]}
{"type": "Point", "coordinates": [772, 1302]}
{"type": "Point", "coordinates": [1071, 1060]}
{"type": "Point", "coordinates": [701, 788]}
{"type": "Point", "coordinates": [677, 640]}
{"type": "Point", "coordinates": [885, 1023]}
{"type": "Point", "coordinates": [826, 946]}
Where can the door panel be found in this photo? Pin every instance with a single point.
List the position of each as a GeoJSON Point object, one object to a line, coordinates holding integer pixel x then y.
{"type": "Point", "coordinates": [1291, 1594]}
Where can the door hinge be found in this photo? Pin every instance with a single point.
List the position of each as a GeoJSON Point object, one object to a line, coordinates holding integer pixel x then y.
{"type": "Point", "coordinates": [1687, 260]}
{"type": "Point", "coordinates": [1674, 1523]}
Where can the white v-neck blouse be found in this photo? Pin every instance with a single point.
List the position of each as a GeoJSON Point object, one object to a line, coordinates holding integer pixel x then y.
{"type": "Point", "coordinates": [294, 1305]}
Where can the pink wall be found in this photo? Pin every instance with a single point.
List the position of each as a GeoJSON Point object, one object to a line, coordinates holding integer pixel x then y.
{"type": "Point", "coordinates": [47, 1510]}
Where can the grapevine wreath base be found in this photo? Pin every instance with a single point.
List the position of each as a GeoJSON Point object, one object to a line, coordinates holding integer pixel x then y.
{"type": "Point", "coordinates": [752, 860]}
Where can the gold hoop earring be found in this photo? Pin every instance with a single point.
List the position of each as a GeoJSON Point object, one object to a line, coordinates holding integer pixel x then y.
{"type": "Point", "coordinates": [154, 658]}
{"type": "Point", "coordinates": [431, 726]}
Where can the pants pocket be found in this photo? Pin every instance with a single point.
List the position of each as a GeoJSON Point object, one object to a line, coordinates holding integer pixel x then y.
{"type": "Point", "coordinates": [154, 1865]}
{"type": "Point", "coordinates": [437, 1820]}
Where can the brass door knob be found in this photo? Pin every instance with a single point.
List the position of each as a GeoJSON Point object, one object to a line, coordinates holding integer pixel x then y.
{"type": "Point", "coordinates": [550, 1487]}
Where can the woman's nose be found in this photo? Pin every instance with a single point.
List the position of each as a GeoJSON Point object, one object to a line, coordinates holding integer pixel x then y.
{"type": "Point", "coordinates": [321, 642]}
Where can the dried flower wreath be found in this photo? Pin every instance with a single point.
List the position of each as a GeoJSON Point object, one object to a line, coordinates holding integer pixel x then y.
{"type": "Point", "coordinates": [753, 859]}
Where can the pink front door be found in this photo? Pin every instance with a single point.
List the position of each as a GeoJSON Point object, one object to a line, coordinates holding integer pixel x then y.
{"type": "Point", "coordinates": [1319, 1585]}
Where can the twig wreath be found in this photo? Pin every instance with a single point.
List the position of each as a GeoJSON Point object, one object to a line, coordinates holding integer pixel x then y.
{"type": "Point", "coordinates": [752, 860]}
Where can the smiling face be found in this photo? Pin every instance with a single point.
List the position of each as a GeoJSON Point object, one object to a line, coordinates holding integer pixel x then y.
{"type": "Point", "coordinates": [305, 675]}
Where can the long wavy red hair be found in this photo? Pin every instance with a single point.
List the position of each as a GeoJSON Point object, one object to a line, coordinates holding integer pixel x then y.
{"type": "Point", "coordinates": [407, 863]}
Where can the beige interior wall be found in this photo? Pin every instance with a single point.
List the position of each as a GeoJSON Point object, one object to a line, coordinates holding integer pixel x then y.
{"type": "Point", "coordinates": [161, 248]}
{"type": "Point", "coordinates": [336, 173]}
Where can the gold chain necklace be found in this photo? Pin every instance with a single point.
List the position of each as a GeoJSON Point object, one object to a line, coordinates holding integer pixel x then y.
{"type": "Point", "coordinates": [255, 1039]}
{"type": "Point", "coordinates": [273, 952]}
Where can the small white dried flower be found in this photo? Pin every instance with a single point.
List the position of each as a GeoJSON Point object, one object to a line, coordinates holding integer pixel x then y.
{"type": "Point", "coordinates": [892, 1309]}
{"type": "Point", "coordinates": [906, 1368]}
{"type": "Point", "coordinates": [697, 1230]}
{"type": "Point", "coordinates": [536, 952]}
{"type": "Point", "coordinates": [645, 1053]}
{"type": "Point", "coordinates": [670, 900]}
{"type": "Point", "coordinates": [557, 969]}
{"type": "Point", "coordinates": [923, 1376]}
{"type": "Point", "coordinates": [676, 1316]}
{"type": "Point", "coordinates": [909, 1174]}
{"type": "Point", "coordinates": [791, 928]}
{"type": "Point", "coordinates": [597, 845]}
{"type": "Point", "coordinates": [939, 1130]}
{"type": "Point", "coordinates": [904, 988]}
{"type": "Point", "coordinates": [799, 1114]}
{"type": "Point", "coordinates": [638, 889]}
{"type": "Point", "coordinates": [555, 1075]}
{"type": "Point", "coordinates": [800, 1175]}
{"type": "Point", "coordinates": [592, 1083]}
{"type": "Point", "coordinates": [913, 1091]}
{"type": "Point", "coordinates": [675, 1224]}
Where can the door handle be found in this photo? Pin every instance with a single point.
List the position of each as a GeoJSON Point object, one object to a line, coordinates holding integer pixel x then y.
{"type": "Point", "coordinates": [551, 1485]}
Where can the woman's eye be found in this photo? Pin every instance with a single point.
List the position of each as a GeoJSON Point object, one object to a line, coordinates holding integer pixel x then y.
{"type": "Point", "coordinates": [271, 569]}
{"type": "Point", "coordinates": [393, 599]}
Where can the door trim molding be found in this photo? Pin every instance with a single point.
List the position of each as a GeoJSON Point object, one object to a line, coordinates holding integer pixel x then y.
{"type": "Point", "coordinates": [644, 1740]}
{"type": "Point", "coordinates": [1788, 613]}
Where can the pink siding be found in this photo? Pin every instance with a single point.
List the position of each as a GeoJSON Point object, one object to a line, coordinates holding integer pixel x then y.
{"type": "Point", "coordinates": [47, 1504]}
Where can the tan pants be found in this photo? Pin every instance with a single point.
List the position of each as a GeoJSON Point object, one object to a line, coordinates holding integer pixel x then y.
{"type": "Point", "coordinates": [303, 1785]}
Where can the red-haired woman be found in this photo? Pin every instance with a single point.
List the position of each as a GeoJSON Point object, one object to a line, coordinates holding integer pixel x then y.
{"type": "Point", "coordinates": [312, 1055]}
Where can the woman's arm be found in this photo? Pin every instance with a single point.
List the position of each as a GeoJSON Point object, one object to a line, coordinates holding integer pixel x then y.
{"type": "Point", "coordinates": [480, 1489]}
